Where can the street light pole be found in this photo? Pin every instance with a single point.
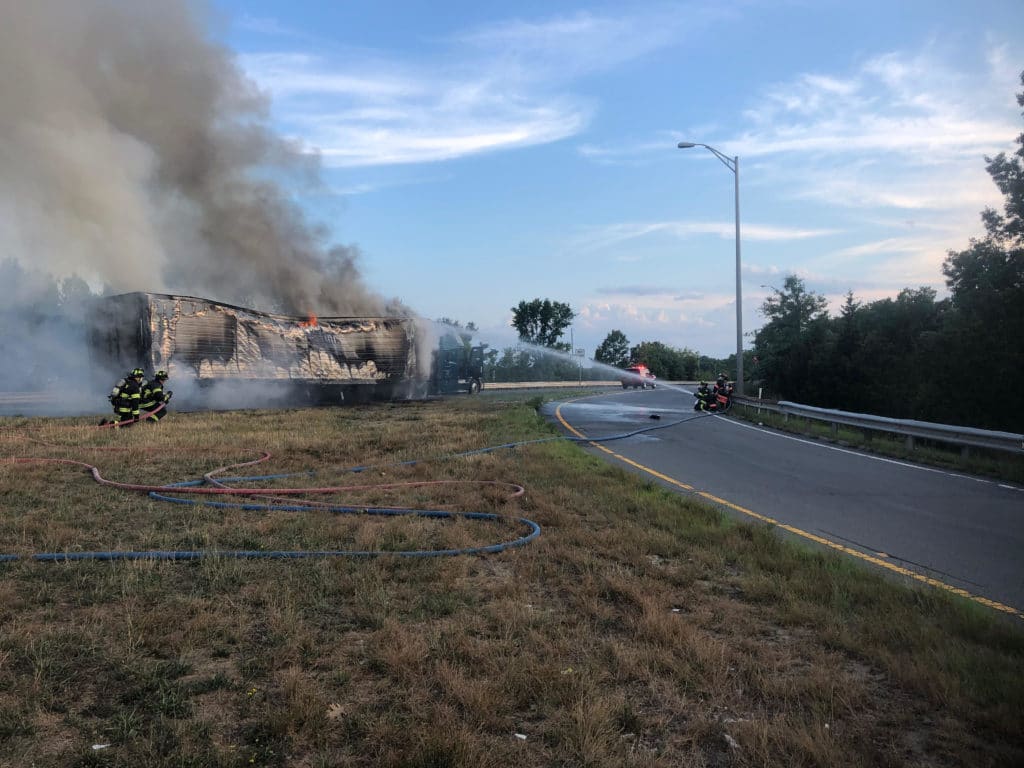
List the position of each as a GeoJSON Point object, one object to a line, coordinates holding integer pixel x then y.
{"type": "Point", "coordinates": [733, 164]}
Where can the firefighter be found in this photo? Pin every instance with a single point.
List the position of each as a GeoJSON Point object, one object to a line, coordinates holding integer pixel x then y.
{"type": "Point", "coordinates": [154, 396]}
{"type": "Point", "coordinates": [126, 397]}
{"type": "Point", "coordinates": [114, 398]}
{"type": "Point", "coordinates": [703, 395]}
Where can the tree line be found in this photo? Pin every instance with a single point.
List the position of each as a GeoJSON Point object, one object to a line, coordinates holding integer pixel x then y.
{"type": "Point", "coordinates": [957, 360]}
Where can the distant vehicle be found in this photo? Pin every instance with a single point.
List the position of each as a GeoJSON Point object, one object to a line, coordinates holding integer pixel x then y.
{"type": "Point", "coordinates": [637, 376]}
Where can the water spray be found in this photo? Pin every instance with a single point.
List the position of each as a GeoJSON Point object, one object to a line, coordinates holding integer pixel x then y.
{"type": "Point", "coordinates": [618, 373]}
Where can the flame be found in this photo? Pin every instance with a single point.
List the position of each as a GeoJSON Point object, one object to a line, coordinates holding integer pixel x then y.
{"type": "Point", "coordinates": [309, 322]}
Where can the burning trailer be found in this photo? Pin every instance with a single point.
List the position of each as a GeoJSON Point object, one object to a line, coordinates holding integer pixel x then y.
{"type": "Point", "coordinates": [235, 354]}
{"type": "Point", "coordinates": [221, 355]}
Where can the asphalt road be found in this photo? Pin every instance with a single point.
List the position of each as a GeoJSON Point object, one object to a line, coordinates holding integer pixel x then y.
{"type": "Point", "coordinates": [950, 530]}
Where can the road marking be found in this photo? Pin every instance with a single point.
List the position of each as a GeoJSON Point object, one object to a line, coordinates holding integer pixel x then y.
{"type": "Point", "coordinates": [874, 560]}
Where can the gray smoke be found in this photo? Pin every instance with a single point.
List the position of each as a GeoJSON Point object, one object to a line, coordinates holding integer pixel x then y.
{"type": "Point", "coordinates": [136, 155]}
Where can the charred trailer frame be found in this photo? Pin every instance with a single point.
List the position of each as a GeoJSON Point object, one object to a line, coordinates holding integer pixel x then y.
{"type": "Point", "coordinates": [319, 360]}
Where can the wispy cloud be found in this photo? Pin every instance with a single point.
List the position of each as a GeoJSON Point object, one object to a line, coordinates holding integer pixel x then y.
{"type": "Point", "coordinates": [570, 46]}
{"type": "Point", "coordinates": [648, 317]}
{"type": "Point", "coordinates": [494, 87]}
{"type": "Point", "coordinates": [884, 134]}
{"type": "Point", "coordinates": [635, 290]}
{"type": "Point", "coordinates": [269, 27]}
{"type": "Point", "coordinates": [615, 234]}
{"type": "Point", "coordinates": [902, 131]}
{"type": "Point", "coordinates": [398, 115]}
{"type": "Point", "coordinates": [912, 107]}
{"type": "Point", "coordinates": [627, 151]}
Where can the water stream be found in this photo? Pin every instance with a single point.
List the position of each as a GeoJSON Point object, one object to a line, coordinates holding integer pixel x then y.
{"type": "Point", "coordinates": [593, 364]}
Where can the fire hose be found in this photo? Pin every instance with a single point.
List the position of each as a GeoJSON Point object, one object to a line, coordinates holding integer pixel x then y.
{"type": "Point", "coordinates": [211, 486]}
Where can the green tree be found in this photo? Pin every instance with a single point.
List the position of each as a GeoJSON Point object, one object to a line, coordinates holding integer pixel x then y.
{"type": "Point", "coordinates": [985, 326]}
{"type": "Point", "coordinates": [664, 361]}
{"type": "Point", "coordinates": [542, 322]}
{"type": "Point", "coordinates": [848, 374]}
{"type": "Point", "coordinates": [783, 344]}
{"type": "Point", "coordinates": [614, 350]}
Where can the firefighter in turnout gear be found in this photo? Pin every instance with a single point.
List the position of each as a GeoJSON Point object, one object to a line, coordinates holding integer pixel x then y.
{"type": "Point", "coordinates": [704, 398]}
{"type": "Point", "coordinates": [114, 398]}
{"type": "Point", "coordinates": [154, 396]}
{"type": "Point", "coordinates": [126, 397]}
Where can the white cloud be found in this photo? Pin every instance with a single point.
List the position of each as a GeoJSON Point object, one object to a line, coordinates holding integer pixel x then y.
{"type": "Point", "coordinates": [910, 106]}
{"type": "Point", "coordinates": [615, 234]}
{"type": "Point", "coordinates": [707, 324]}
{"type": "Point", "coordinates": [372, 113]}
{"type": "Point", "coordinates": [636, 290]}
{"type": "Point", "coordinates": [494, 87]}
{"type": "Point", "coordinates": [567, 47]}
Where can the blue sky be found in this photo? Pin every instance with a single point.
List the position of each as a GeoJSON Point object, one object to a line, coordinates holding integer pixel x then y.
{"type": "Point", "coordinates": [482, 153]}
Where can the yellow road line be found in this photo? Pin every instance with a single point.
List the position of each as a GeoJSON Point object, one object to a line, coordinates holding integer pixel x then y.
{"type": "Point", "coordinates": [875, 560]}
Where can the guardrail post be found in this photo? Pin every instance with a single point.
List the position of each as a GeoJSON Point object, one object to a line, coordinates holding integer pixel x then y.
{"type": "Point", "coordinates": [835, 430]}
{"type": "Point", "coordinates": [910, 442]}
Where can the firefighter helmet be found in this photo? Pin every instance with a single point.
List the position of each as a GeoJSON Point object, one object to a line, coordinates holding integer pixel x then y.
{"type": "Point", "coordinates": [138, 373]}
{"type": "Point", "coordinates": [161, 375]}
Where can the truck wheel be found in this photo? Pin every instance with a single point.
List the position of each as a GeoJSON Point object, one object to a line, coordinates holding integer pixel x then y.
{"type": "Point", "coordinates": [474, 386]}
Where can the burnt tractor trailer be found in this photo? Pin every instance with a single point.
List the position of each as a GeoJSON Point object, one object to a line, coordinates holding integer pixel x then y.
{"type": "Point", "coordinates": [227, 356]}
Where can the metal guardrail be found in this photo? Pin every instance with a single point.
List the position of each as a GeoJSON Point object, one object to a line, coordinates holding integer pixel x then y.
{"type": "Point", "coordinates": [910, 430]}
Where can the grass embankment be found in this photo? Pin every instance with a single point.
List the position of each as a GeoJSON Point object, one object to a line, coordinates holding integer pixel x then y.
{"type": "Point", "coordinates": [641, 628]}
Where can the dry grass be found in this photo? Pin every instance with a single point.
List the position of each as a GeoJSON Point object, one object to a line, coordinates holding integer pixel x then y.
{"type": "Point", "coordinates": [641, 629]}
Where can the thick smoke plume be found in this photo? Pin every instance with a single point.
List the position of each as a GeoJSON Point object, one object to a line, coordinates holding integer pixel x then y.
{"type": "Point", "coordinates": [136, 155]}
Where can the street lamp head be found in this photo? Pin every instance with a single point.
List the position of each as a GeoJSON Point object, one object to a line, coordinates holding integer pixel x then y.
{"type": "Point", "coordinates": [686, 144]}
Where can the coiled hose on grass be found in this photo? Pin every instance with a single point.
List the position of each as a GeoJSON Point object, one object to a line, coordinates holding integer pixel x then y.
{"type": "Point", "coordinates": [210, 486]}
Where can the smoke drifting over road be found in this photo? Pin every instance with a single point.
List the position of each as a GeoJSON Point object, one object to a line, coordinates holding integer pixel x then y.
{"type": "Point", "coordinates": [135, 154]}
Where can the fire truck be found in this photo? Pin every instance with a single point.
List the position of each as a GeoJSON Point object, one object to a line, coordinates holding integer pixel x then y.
{"type": "Point", "coordinates": [637, 376]}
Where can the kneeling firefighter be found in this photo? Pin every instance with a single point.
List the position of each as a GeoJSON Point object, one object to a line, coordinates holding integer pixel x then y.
{"type": "Point", "coordinates": [126, 396]}
{"type": "Point", "coordinates": [704, 398]}
{"type": "Point", "coordinates": [154, 398]}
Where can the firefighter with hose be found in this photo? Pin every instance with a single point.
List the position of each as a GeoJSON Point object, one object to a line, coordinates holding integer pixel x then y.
{"type": "Point", "coordinates": [126, 398]}
{"type": "Point", "coordinates": [154, 398]}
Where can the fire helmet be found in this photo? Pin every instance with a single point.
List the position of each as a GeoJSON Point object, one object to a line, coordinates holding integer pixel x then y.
{"type": "Point", "coordinates": [161, 374]}
{"type": "Point", "coordinates": [137, 373]}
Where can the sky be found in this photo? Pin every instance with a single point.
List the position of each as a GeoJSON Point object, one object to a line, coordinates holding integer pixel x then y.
{"type": "Point", "coordinates": [477, 154]}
